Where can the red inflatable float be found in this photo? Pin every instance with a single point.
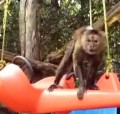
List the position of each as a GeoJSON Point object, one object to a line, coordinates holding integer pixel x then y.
{"type": "Point", "coordinates": [19, 95]}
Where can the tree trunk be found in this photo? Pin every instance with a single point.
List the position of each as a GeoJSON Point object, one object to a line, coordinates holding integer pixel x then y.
{"type": "Point", "coordinates": [22, 26]}
{"type": "Point", "coordinates": [29, 23]}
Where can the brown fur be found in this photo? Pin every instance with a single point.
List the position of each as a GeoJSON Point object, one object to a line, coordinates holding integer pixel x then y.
{"type": "Point", "coordinates": [88, 45]}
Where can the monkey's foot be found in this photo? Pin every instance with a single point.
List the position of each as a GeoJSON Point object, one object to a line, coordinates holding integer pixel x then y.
{"type": "Point", "coordinates": [93, 87]}
{"type": "Point", "coordinates": [80, 92]}
{"type": "Point", "coordinates": [53, 86]}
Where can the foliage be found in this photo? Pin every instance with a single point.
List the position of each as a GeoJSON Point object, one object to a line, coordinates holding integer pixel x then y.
{"type": "Point", "coordinates": [12, 32]}
{"type": "Point", "coordinates": [114, 39]}
{"type": "Point", "coordinates": [57, 25]}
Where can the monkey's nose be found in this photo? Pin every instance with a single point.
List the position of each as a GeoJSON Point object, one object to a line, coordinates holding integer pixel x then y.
{"type": "Point", "coordinates": [92, 47]}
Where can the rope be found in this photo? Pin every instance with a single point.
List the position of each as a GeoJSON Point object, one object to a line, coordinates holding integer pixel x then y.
{"type": "Point", "coordinates": [109, 60]}
{"type": "Point", "coordinates": [90, 10]}
{"type": "Point", "coordinates": [2, 62]}
{"type": "Point", "coordinates": [4, 25]}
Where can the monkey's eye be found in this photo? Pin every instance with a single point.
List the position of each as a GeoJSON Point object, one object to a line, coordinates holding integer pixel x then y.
{"type": "Point", "coordinates": [95, 41]}
{"type": "Point", "coordinates": [88, 40]}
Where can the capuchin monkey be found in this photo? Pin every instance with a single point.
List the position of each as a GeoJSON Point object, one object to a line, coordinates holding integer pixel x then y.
{"type": "Point", "coordinates": [87, 47]}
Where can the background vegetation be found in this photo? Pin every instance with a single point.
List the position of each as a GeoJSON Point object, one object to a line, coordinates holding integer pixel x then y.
{"type": "Point", "coordinates": [58, 23]}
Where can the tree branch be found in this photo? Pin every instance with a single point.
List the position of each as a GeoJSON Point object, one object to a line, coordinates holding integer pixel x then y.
{"type": "Point", "coordinates": [42, 68]}
{"type": "Point", "coordinates": [111, 14]}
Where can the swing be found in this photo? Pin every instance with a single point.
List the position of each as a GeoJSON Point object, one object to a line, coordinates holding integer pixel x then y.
{"type": "Point", "coordinates": [18, 94]}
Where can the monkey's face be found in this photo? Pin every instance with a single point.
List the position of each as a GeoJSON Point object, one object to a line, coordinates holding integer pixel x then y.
{"type": "Point", "coordinates": [91, 43]}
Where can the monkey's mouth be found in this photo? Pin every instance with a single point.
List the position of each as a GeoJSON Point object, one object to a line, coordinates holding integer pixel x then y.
{"type": "Point", "coordinates": [91, 51]}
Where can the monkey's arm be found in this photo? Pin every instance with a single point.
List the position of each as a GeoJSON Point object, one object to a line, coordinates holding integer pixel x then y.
{"type": "Point", "coordinates": [62, 68]}
{"type": "Point", "coordinates": [77, 66]}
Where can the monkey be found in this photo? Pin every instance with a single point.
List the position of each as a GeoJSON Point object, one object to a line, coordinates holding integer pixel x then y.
{"type": "Point", "coordinates": [89, 47]}
{"type": "Point", "coordinates": [26, 67]}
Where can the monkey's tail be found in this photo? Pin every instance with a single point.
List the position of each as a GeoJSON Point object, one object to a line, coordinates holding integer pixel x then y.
{"type": "Point", "coordinates": [28, 65]}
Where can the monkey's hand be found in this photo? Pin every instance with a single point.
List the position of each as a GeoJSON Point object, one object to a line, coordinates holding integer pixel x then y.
{"type": "Point", "coordinates": [80, 92]}
{"type": "Point", "coordinates": [53, 86]}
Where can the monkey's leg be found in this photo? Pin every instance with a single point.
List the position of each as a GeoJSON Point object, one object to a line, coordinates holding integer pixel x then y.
{"type": "Point", "coordinates": [92, 72]}
{"type": "Point", "coordinates": [62, 68]}
{"type": "Point", "coordinates": [70, 72]}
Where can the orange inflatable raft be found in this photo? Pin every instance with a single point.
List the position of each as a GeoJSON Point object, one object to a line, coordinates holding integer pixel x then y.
{"type": "Point", "coordinates": [19, 95]}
